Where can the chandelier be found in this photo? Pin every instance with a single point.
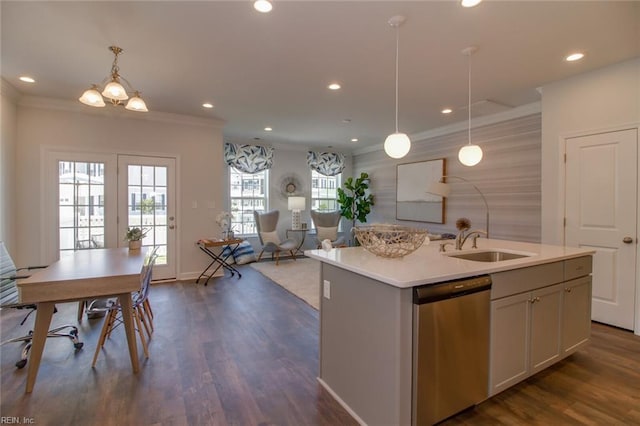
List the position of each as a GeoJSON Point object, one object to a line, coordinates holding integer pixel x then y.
{"type": "Point", "coordinates": [113, 90]}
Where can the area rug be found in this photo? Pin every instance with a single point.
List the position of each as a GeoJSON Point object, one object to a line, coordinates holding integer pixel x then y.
{"type": "Point", "coordinates": [300, 277]}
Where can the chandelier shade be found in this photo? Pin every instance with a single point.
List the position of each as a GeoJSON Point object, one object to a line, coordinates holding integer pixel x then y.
{"type": "Point", "coordinates": [113, 89]}
{"type": "Point", "coordinates": [92, 97]}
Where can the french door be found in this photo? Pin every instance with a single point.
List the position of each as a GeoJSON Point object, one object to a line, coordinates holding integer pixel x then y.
{"type": "Point", "coordinates": [146, 199]}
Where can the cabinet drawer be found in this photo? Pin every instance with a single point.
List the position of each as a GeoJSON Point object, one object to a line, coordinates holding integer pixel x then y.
{"type": "Point", "coordinates": [526, 279]}
{"type": "Point", "coordinates": [578, 267]}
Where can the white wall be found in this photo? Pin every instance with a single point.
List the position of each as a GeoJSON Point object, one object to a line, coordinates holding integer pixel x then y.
{"type": "Point", "coordinates": [196, 143]}
{"type": "Point", "coordinates": [604, 99]}
{"type": "Point", "coordinates": [8, 113]}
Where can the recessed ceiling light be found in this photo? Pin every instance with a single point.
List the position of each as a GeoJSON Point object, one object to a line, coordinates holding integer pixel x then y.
{"type": "Point", "coordinates": [470, 3]}
{"type": "Point", "coordinates": [27, 79]}
{"type": "Point", "coordinates": [354, 139]}
{"type": "Point", "coordinates": [268, 129]}
{"type": "Point", "coordinates": [334, 86]}
{"type": "Point", "coordinates": [263, 6]}
{"type": "Point", "coordinates": [447, 111]}
{"type": "Point", "coordinates": [574, 57]}
{"type": "Point", "coordinates": [207, 105]}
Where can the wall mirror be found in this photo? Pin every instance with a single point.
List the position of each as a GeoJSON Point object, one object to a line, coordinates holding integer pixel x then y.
{"type": "Point", "coordinates": [412, 200]}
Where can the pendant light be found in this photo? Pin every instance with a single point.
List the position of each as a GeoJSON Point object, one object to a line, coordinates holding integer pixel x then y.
{"type": "Point", "coordinates": [397, 144]}
{"type": "Point", "coordinates": [470, 154]}
{"type": "Point", "coordinates": [113, 90]}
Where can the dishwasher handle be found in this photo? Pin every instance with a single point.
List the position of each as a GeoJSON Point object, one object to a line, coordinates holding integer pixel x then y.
{"type": "Point", "coordinates": [447, 290]}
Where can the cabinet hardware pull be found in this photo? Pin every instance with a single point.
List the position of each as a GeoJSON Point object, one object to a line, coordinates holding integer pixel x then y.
{"type": "Point", "coordinates": [627, 240]}
{"type": "Point", "coordinates": [568, 289]}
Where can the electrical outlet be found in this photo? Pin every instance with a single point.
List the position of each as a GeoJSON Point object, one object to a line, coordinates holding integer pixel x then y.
{"type": "Point", "coordinates": [326, 289]}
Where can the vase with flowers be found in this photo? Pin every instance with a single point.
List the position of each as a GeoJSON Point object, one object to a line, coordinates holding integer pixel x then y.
{"type": "Point", "coordinates": [135, 235]}
{"type": "Point", "coordinates": [224, 222]}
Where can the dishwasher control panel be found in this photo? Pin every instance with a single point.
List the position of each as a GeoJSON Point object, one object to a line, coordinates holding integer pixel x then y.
{"type": "Point", "coordinates": [449, 289]}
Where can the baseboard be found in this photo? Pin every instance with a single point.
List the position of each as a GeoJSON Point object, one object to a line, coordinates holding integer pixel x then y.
{"type": "Point", "coordinates": [341, 402]}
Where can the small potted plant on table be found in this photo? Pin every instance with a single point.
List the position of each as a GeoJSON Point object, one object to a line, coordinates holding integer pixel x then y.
{"type": "Point", "coordinates": [134, 236]}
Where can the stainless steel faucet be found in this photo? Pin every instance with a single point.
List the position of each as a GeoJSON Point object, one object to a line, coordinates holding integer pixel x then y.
{"type": "Point", "coordinates": [461, 238]}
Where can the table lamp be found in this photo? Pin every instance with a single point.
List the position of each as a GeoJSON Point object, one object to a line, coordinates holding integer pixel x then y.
{"type": "Point", "coordinates": [296, 204]}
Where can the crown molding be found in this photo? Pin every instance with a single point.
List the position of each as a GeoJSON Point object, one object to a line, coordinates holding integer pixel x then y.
{"type": "Point", "coordinates": [521, 111]}
{"type": "Point", "coordinates": [9, 90]}
{"type": "Point", "coordinates": [76, 107]}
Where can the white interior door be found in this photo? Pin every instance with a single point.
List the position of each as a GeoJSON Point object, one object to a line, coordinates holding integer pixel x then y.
{"type": "Point", "coordinates": [146, 199]}
{"type": "Point", "coordinates": [601, 212]}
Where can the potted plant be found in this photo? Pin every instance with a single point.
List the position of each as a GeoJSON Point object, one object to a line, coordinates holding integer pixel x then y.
{"type": "Point", "coordinates": [134, 236]}
{"type": "Point", "coordinates": [355, 203]}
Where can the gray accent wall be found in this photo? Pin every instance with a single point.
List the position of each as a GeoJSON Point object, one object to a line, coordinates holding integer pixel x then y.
{"type": "Point", "coordinates": [509, 176]}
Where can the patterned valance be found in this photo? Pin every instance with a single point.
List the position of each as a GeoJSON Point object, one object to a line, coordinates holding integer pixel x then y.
{"type": "Point", "coordinates": [248, 158]}
{"type": "Point", "coordinates": [326, 163]}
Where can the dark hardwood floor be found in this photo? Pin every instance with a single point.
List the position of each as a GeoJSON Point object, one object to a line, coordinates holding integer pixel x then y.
{"type": "Point", "coordinates": [245, 352]}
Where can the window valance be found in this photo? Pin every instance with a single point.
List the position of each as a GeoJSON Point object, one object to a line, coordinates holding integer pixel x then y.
{"type": "Point", "coordinates": [326, 163]}
{"type": "Point", "coordinates": [248, 158]}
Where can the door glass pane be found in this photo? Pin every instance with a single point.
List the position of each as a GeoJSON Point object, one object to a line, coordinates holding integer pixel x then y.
{"type": "Point", "coordinates": [147, 205]}
{"type": "Point", "coordinates": [81, 205]}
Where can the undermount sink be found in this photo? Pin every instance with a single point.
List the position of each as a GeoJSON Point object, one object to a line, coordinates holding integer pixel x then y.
{"type": "Point", "coordinates": [488, 255]}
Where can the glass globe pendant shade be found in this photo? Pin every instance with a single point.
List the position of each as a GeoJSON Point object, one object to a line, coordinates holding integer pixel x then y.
{"type": "Point", "coordinates": [397, 145]}
{"type": "Point", "coordinates": [115, 91]}
{"type": "Point", "coordinates": [92, 97]}
{"type": "Point", "coordinates": [470, 155]}
{"type": "Point", "coordinates": [136, 104]}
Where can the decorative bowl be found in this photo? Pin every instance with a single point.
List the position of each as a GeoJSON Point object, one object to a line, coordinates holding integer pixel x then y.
{"type": "Point", "coordinates": [390, 240]}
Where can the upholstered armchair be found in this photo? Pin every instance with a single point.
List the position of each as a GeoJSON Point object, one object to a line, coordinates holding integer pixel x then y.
{"type": "Point", "coordinates": [326, 224]}
{"type": "Point", "coordinates": [267, 224]}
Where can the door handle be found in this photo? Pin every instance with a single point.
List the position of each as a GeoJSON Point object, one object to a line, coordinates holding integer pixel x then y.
{"type": "Point", "coordinates": [627, 240]}
{"type": "Point", "coordinates": [171, 226]}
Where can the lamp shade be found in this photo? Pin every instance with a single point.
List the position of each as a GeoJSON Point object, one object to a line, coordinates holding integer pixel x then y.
{"type": "Point", "coordinates": [397, 145]}
{"type": "Point", "coordinates": [92, 98]}
{"type": "Point", "coordinates": [439, 188]}
{"type": "Point", "coordinates": [296, 203]}
{"type": "Point", "coordinates": [114, 90]}
{"type": "Point", "coordinates": [470, 155]}
{"type": "Point", "coordinates": [136, 104]}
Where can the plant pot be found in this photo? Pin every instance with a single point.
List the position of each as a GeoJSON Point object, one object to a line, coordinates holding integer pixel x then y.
{"type": "Point", "coordinates": [135, 244]}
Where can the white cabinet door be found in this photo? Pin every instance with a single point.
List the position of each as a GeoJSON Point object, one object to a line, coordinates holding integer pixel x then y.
{"type": "Point", "coordinates": [509, 341]}
{"type": "Point", "coordinates": [576, 314]}
{"type": "Point", "coordinates": [601, 200]}
{"type": "Point", "coordinates": [546, 311]}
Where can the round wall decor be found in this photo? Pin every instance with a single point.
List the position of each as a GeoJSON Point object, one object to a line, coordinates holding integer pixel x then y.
{"type": "Point", "coordinates": [290, 185]}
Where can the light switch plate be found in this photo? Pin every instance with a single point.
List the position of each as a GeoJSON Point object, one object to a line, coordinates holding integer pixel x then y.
{"type": "Point", "coordinates": [326, 289]}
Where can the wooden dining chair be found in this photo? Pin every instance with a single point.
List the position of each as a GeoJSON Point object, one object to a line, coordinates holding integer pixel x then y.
{"type": "Point", "coordinates": [141, 312]}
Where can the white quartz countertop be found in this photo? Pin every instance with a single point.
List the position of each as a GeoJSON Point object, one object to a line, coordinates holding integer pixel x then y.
{"type": "Point", "coordinates": [427, 265]}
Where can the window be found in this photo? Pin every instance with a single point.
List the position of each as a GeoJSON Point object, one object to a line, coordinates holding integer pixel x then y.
{"type": "Point", "coordinates": [324, 194]}
{"type": "Point", "coordinates": [248, 192]}
{"type": "Point", "coordinates": [80, 205]}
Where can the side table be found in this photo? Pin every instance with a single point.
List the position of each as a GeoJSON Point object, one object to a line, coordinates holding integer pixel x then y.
{"type": "Point", "coordinates": [220, 260]}
{"type": "Point", "coordinates": [299, 238]}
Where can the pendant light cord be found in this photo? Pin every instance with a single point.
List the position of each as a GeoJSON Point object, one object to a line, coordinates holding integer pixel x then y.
{"type": "Point", "coordinates": [469, 98]}
{"type": "Point", "coordinates": [397, 49]}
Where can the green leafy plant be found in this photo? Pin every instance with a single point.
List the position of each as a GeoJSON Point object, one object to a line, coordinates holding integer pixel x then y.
{"type": "Point", "coordinates": [135, 233]}
{"type": "Point", "coordinates": [355, 203]}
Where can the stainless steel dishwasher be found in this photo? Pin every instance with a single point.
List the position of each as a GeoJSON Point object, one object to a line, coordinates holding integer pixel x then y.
{"type": "Point", "coordinates": [450, 348]}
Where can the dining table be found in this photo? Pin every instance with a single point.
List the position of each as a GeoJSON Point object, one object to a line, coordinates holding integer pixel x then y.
{"type": "Point", "coordinates": [82, 274]}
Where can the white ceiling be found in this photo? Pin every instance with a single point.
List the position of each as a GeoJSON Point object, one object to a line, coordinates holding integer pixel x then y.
{"type": "Point", "coordinates": [272, 69]}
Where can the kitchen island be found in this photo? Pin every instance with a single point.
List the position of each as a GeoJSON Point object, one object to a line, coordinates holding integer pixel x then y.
{"type": "Point", "coordinates": [539, 305]}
